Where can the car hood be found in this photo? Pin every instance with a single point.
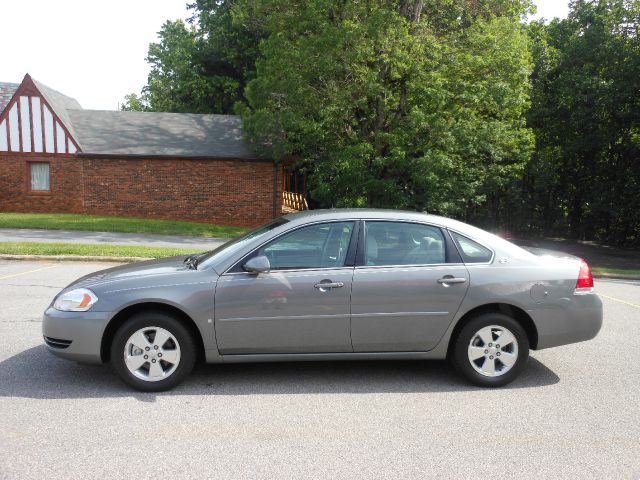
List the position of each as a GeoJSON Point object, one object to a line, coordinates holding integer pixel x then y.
{"type": "Point", "coordinates": [138, 270]}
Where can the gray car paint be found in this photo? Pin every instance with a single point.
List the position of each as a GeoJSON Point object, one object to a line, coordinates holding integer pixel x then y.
{"type": "Point", "coordinates": [282, 312]}
{"type": "Point", "coordinates": [400, 309]}
{"type": "Point", "coordinates": [541, 286]}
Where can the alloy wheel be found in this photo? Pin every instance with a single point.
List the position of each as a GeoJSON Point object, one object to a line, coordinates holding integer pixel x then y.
{"type": "Point", "coordinates": [152, 354]}
{"type": "Point", "coordinates": [493, 351]}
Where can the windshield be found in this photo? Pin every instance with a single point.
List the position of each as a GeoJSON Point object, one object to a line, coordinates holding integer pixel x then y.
{"type": "Point", "coordinates": [226, 250]}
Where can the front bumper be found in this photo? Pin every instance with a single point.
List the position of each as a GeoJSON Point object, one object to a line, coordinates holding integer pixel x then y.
{"type": "Point", "coordinates": [568, 320]}
{"type": "Point", "coordinates": [75, 335]}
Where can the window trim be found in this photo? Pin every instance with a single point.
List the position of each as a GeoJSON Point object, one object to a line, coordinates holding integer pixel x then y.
{"type": "Point", "coordinates": [352, 245]}
{"type": "Point", "coordinates": [30, 191]}
{"type": "Point", "coordinates": [449, 246]}
{"type": "Point", "coordinates": [482, 244]}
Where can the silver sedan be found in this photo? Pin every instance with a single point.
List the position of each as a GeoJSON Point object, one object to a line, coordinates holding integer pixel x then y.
{"type": "Point", "coordinates": [330, 285]}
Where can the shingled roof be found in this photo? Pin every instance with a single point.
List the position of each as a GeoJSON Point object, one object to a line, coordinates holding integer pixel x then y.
{"type": "Point", "coordinates": [6, 92]}
{"type": "Point", "coordinates": [159, 134]}
{"type": "Point", "coordinates": [144, 134]}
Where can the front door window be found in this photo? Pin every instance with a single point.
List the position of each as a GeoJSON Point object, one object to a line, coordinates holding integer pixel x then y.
{"type": "Point", "coordinates": [317, 246]}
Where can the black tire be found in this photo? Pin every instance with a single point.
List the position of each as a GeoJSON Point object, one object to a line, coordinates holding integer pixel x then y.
{"type": "Point", "coordinates": [461, 344]}
{"type": "Point", "coordinates": [186, 346]}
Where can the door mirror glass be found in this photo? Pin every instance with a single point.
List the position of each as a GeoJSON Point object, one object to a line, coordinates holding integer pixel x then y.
{"type": "Point", "coordinates": [259, 264]}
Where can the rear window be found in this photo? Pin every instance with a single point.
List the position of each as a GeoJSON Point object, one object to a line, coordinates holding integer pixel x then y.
{"type": "Point", "coordinates": [472, 252]}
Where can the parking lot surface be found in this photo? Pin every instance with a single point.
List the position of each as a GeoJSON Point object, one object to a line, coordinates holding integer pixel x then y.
{"type": "Point", "coordinates": [572, 414]}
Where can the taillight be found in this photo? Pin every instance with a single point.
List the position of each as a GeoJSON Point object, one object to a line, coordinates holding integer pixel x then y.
{"type": "Point", "coordinates": [585, 279]}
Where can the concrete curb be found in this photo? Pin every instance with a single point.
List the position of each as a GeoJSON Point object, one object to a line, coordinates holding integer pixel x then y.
{"type": "Point", "coordinates": [74, 258]}
{"type": "Point", "coordinates": [618, 276]}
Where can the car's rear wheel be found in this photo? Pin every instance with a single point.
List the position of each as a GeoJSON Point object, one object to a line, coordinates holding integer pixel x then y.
{"type": "Point", "coordinates": [491, 350]}
{"type": "Point", "coordinates": [152, 352]}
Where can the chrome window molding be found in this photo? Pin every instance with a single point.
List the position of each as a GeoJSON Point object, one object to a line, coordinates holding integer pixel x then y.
{"type": "Point", "coordinates": [413, 265]}
{"type": "Point", "coordinates": [289, 270]}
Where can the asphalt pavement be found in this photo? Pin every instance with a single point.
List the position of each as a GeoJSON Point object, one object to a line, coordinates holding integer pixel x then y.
{"type": "Point", "coordinates": [572, 414]}
{"type": "Point", "coordinates": [109, 238]}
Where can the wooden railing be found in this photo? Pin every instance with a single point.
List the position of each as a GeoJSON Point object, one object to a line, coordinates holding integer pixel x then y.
{"type": "Point", "coordinates": [294, 201]}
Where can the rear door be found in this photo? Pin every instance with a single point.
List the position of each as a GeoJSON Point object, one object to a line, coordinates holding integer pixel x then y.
{"type": "Point", "coordinates": [407, 286]}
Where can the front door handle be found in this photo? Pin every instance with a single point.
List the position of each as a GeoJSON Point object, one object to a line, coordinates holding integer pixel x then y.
{"type": "Point", "coordinates": [450, 279]}
{"type": "Point", "coordinates": [323, 286]}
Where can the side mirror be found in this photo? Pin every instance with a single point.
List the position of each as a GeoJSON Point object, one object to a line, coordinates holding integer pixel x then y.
{"type": "Point", "coordinates": [259, 264]}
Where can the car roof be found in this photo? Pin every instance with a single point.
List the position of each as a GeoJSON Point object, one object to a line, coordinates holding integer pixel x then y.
{"type": "Point", "coordinates": [364, 213]}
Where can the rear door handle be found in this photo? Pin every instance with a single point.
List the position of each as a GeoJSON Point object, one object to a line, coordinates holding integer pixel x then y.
{"type": "Point", "coordinates": [450, 279]}
{"type": "Point", "coordinates": [327, 285]}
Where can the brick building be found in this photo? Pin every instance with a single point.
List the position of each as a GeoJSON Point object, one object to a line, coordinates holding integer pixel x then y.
{"type": "Point", "coordinates": [57, 157]}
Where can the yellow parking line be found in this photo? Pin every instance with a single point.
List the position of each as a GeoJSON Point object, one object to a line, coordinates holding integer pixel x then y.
{"type": "Point", "coordinates": [618, 300]}
{"type": "Point", "coordinates": [28, 271]}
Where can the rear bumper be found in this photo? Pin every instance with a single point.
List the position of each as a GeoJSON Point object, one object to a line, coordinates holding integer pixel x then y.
{"type": "Point", "coordinates": [74, 335]}
{"type": "Point", "coordinates": [569, 320]}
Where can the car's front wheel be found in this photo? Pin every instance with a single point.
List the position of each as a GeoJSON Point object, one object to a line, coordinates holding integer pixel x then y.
{"type": "Point", "coordinates": [491, 350]}
{"type": "Point", "coordinates": [152, 352]}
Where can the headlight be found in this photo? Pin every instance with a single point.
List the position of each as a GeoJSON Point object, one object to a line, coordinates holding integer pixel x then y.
{"type": "Point", "coordinates": [78, 300]}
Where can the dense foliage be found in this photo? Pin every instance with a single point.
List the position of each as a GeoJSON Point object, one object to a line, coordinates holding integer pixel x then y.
{"type": "Point", "coordinates": [458, 107]}
{"type": "Point", "coordinates": [199, 67]}
{"type": "Point", "coordinates": [584, 178]}
{"type": "Point", "coordinates": [389, 107]}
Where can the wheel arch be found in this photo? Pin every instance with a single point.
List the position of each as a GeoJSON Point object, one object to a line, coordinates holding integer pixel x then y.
{"type": "Point", "coordinates": [517, 313]}
{"type": "Point", "coordinates": [121, 317]}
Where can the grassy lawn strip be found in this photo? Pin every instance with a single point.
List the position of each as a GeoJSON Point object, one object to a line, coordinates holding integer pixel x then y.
{"type": "Point", "coordinates": [20, 248]}
{"type": "Point", "coordinates": [616, 271]}
{"type": "Point", "coordinates": [93, 223]}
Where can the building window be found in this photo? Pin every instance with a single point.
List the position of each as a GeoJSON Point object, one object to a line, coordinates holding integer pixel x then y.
{"type": "Point", "coordinates": [39, 177]}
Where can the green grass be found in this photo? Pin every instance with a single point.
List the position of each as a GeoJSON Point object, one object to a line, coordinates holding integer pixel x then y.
{"type": "Point", "coordinates": [21, 248]}
{"type": "Point", "coordinates": [616, 271]}
{"type": "Point", "coordinates": [93, 223]}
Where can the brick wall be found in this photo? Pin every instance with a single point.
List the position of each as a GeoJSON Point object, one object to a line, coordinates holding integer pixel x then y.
{"type": "Point", "coordinates": [230, 192]}
{"type": "Point", "coordinates": [66, 184]}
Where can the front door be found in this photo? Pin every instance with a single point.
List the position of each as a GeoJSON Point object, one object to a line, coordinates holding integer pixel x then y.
{"type": "Point", "coordinates": [407, 289]}
{"type": "Point", "coordinates": [302, 305]}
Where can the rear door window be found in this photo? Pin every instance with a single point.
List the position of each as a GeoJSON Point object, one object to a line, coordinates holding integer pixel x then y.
{"type": "Point", "coordinates": [471, 251]}
{"type": "Point", "coordinates": [402, 243]}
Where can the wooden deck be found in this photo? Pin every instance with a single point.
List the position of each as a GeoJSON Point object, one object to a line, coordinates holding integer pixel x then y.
{"type": "Point", "coordinates": [293, 202]}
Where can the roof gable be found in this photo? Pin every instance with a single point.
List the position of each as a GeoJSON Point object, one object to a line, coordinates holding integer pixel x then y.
{"type": "Point", "coordinates": [39, 119]}
{"type": "Point", "coordinates": [35, 120]}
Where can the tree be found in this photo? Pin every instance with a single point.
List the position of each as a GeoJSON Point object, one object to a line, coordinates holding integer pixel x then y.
{"type": "Point", "coordinates": [393, 104]}
{"type": "Point", "coordinates": [200, 67]}
{"type": "Point", "coordinates": [133, 103]}
{"type": "Point", "coordinates": [585, 175]}
{"type": "Point", "coordinates": [427, 104]}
